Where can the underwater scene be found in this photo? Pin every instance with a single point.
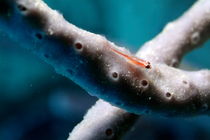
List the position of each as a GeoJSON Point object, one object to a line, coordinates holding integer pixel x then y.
{"type": "Point", "coordinates": [42, 98]}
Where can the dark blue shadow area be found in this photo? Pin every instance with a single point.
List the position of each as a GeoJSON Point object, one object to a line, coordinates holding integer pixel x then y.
{"type": "Point", "coordinates": [36, 103]}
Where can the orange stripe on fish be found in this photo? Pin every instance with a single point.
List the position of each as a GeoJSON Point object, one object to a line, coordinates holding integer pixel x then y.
{"type": "Point", "coordinates": [133, 59]}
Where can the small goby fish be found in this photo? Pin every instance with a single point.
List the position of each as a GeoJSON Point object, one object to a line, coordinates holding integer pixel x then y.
{"type": "Point", "coordinates": [133, 59]}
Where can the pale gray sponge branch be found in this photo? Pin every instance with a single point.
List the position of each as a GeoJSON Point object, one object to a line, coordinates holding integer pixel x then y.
{"type": "Point", "coordinates": [112, 73]}
{"type": "Point", "coordinates": [180, 36]}
{"type": "Point", "coordinates": [105, 122]}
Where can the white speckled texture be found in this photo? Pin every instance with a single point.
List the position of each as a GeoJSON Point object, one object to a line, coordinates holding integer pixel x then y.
{"type": "Point", "coordinates": [169, 91]}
